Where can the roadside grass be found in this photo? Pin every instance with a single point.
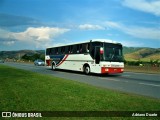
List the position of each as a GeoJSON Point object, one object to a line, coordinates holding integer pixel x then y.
{"type": "Point", "coordinates": [22, 90]}
{"type": "Point", "coordinates": [143, 69]}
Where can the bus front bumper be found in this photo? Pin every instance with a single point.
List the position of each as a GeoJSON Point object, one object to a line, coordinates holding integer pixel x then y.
{"type": "Point", "coordinates": [105, 70]}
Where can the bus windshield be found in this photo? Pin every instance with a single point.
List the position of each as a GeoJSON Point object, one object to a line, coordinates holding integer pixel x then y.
{"type": "Point", "coordinates": [113, 53]}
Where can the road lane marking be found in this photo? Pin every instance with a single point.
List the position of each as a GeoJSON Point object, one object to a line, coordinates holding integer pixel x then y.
{"type": "Point", "coordinates": [143, 73]}
{"type": "Point", "coordinates": [109, 79]}
{"type": "Point", "coordinates": [126, 75]}
{"type": "Point", "coordinates": [149, 84]}
{"type": "Point", "coordinates": [114, 80]}
{"type": "Point", "coordinates": [125, 81]}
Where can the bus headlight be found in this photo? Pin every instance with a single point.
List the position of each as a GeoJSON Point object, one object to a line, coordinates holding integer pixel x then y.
{"type": "Point", "coordinates": [106, 69]}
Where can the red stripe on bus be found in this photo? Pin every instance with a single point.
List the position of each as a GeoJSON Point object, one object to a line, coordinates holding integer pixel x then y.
{"type": "Point", "coordinates": [62, 60]}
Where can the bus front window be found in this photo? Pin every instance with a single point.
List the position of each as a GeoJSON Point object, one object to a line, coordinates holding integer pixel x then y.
{"type": "Point", "coordinates": [113, 54]}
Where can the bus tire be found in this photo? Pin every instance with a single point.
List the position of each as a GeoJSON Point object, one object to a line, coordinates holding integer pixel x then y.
{"type": "Point", "coordinates": [87, 70]}
{"type": "Point", "coordinates": [53, 66]}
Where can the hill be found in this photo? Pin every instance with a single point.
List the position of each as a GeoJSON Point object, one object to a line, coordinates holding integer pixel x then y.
{"type": "Point", "coordinates": [127, 50]}
{"type": "Point", "coordinates": [143, 54]}
{"type": "Point", "coordinates": [130, 53]}
{"type": "Point", "coordinates": [18, 54]}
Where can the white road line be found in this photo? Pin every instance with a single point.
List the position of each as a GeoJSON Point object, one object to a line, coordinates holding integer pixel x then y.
{"type": "Point", "coordinates": [126, 75]}
{"type": "Point", "coordinates": [125, 81]}
{"type": "Point", "coordinates": [114, 80]}
{"type": "Point", "coordinates": [149, 84]}
{"type": "Point", "coordinates": [142, 73]}
{"type": "Point", "coordinates": [81, 75]}
{"type": "Point", "coordinates": [109, 79]}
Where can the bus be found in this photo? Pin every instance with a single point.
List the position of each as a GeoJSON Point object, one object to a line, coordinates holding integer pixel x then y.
{"type": "Point", "coordinates": [89, 57]}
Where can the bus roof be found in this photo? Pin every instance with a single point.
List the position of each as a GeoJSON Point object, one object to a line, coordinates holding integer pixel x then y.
{"type": "Point", "coordinates": [94, 40]}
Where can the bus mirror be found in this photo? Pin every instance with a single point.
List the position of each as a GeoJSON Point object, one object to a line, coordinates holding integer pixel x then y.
{"type": "Point", "coordinates": [101, 50]}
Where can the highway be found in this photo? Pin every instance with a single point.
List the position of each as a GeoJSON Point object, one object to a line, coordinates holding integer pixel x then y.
{"type": "Point", "coordinates": [128, 82]}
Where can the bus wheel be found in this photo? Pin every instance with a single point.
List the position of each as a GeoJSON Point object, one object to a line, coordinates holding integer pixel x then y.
{"type": "Point", "coordinates": [53, 66]}
{"type": "Point", "coordinates": [87, 70]}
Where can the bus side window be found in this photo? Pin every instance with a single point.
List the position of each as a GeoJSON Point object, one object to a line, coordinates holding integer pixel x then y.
{"type": "Point", "coordinates": [85, 48]}
{"type": "Point", "coordinates": [77, 48]}
{"type": "Point", "coordinates": [71, 49]}
{"type": "Point", "coordinates": [56, 50]}
{"type": "Point", "coordinates": [59, 50]}
{"type": "Point", "coordinates": [52, 51]}
{"type": "Point", "coordinates": [48, 51]}
{"type": "Point", "coordinates": [62, 50]}
{"type": "Point", "coordinates": [74, 49]}
{"type": "Point", "coordinates": [66, 49]}
{"type": "Point", "coordinates": [88, 47]}
{"type": "Point", "coordinates": [80, 48]}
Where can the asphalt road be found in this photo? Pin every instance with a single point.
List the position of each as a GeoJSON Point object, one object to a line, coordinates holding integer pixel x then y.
{"type": "Point", "coordinates": [137, 83]}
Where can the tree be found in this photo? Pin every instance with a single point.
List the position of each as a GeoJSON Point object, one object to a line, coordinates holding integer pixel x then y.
{"type": "Point", "coordinates": [33, 57]}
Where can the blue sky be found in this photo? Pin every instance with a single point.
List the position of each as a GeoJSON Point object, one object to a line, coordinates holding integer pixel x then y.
{"type": "Point", "coordinates": [37, 24]}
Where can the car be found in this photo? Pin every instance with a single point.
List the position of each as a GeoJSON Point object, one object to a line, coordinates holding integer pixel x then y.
{"type": "Point", "coordinates": [39, 62]}
{"type": "Point", "coordinates": [1, 61]}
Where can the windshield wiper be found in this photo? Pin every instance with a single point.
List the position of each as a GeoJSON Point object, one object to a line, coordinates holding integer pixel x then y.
{"type": "Point", "coordinates": [112, 56]}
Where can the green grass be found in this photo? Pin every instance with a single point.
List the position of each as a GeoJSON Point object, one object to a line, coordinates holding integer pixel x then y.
{"type": "Point", "coordinates": [27, 91]}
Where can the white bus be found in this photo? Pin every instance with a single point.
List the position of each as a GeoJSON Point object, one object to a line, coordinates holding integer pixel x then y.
{"type": "Point", "coordinates": [88, 57]}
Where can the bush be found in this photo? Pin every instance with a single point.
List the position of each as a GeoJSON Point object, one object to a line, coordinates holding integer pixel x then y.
{"type": "Point", "coordinates": [155, 63]}
{"type": "Point", "coordinates": [33, 57]}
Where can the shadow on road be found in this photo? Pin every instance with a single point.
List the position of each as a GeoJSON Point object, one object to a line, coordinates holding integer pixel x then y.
{"type": "Point", "coordinates": [91, 74]}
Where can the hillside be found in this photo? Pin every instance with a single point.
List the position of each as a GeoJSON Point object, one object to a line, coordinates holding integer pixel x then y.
{"type": "Point", "coordinates": [144, 54]}
{"type": "Point", "coordinates": [19, 54]}
{"type": "Point", "coordinates": [127, 50]}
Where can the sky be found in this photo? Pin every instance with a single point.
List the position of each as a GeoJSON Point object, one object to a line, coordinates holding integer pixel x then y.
{"type": "Point", "coordinates": [38, 24]}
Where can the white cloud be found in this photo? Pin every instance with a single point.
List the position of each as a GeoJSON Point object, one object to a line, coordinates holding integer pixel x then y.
{"type": "Point", "coordinates": [4, 33]}
{"type": "Point", "coordinates": [150, 6]}
{"type": "Point", "coordinates": [136, 31]}
{"type": "Point", "coordinates": [130, 43]}
{"type": "Point", "coordinates": [142, 32]}
{"type": "Point", "coordinates": [8, 43]}
{"type": "Point", "coordinates": [90, 27]}
{"type": "Point", "coordinates": [112, 24]}
{"type": "Point", "coordinates": [38, 36]}
{"type": "Point", "coordinates": [105, 40]}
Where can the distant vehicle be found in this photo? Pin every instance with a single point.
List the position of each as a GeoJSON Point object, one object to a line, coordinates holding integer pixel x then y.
{"type": "Point", "coordinates": [1, 61]}
{"type": "Point", "coordinates": [96, 56]}
{"type": "Point", "coordinates": [39, 62]}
